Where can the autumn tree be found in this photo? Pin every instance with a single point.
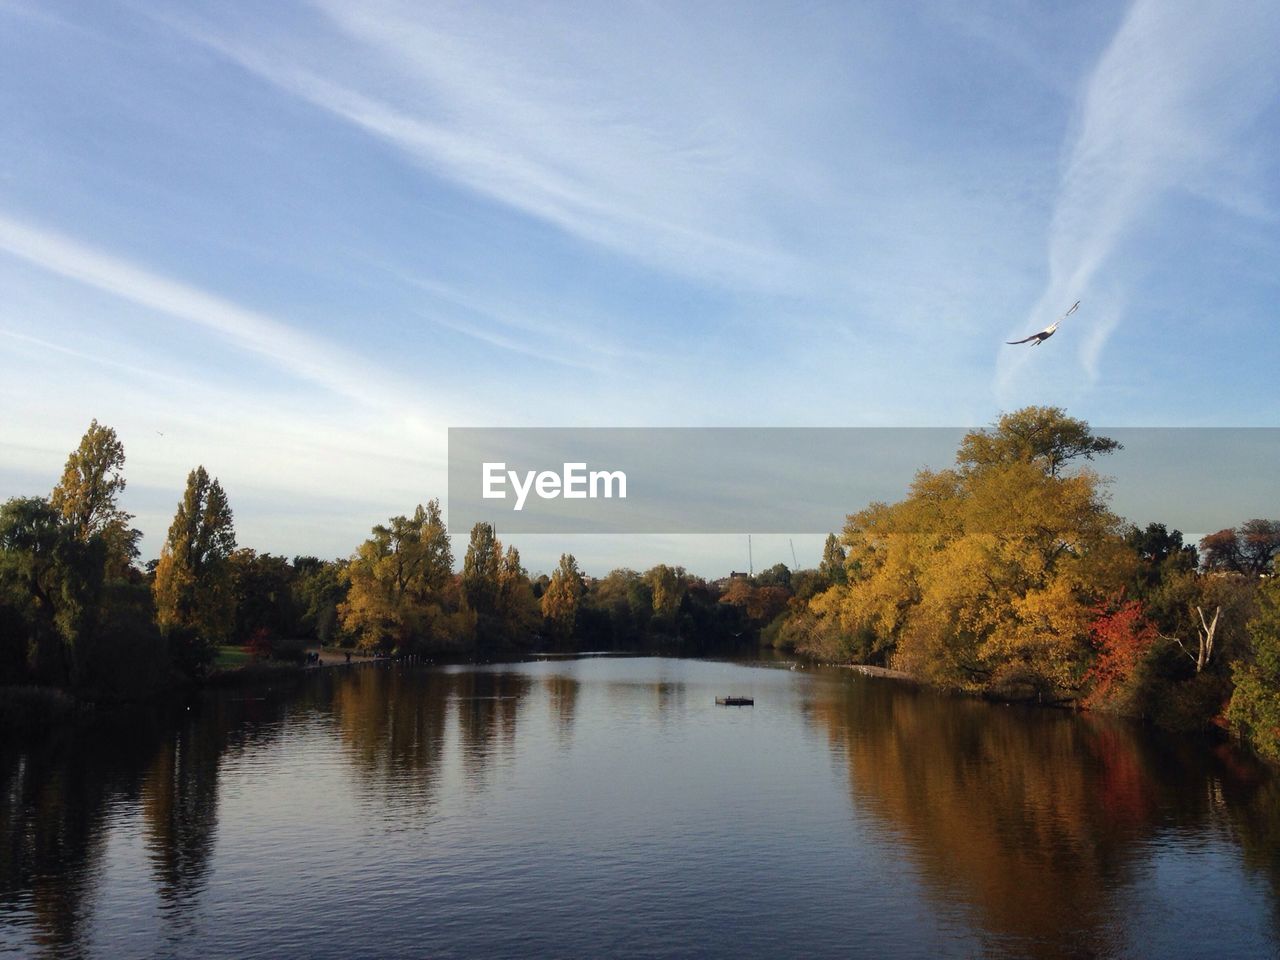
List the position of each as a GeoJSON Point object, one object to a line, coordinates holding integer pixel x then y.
{"type": "Point", "coordinates": [668, 585]}
{"type": "Point", "coordinates": [86, 497]}
{"type": "Point", "coordinates": [398, 584]}
{"type": "Point", "coordinates": [988, 574]}
{"type": "Point", "coordinates": [518, 610]}
{"type": "Point", "coordinates": [1044, 436]}
{"type": "Point", "coordinates": [1250, 548]}
{"type": "Point", "coordinates": [194, 601]}
{"type": "Point", "coordinates": [560, 599]}
{"type": "Point", "coordinates": [1123, 637]}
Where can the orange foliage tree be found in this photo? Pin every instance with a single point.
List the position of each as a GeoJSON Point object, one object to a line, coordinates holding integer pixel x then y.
{"type": "Point", "coordinates": [1122, 637]}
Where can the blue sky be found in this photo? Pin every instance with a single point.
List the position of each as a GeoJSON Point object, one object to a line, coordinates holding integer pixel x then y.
{"type": "Point", "coordinates": [301, 240]}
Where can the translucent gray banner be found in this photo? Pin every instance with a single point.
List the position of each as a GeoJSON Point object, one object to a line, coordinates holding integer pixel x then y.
{"type": "Point", "coordinates": [806, 480]}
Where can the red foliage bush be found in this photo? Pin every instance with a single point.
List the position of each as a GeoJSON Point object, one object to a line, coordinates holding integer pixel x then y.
{"type": "Point", "coordinates": [1122, 637]}
{"type": "Point", "coordinates": [260, 643]}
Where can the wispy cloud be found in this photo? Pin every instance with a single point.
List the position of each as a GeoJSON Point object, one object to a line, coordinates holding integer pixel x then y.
{"type": "Point", "coordinates": [288, 349]}
{"type": "Point", "coordinates": [1164, 110]}
{"type": "Point", "coordinates": [574, 147]}
{"type": "Point", "coordinates": [524, 330]}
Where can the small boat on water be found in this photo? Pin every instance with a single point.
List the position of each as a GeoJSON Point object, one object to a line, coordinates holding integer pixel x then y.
{"type": "Point", "coordinates": [735, 701]}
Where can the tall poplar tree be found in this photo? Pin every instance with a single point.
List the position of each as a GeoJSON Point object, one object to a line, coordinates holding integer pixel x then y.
{"type": "Point", "coordinates": [560, 601]}
{"type": "Point", "coordinates": [194, 600]}
{"type": "Point", "coordinates": [481, 568]}
{"type": "Point", "coordinates": [86, 497]}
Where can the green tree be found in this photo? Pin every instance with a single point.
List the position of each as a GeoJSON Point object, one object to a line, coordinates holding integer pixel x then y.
{"type": "Point", "coordinates": [481, 568]}
{"type": "Point", "coordinates": [833, 557]}
{"type": "Point", "coordinates": [265, 603]}
{"type": "Point", "coordinates": [51, 582]}
{"type": "Point", "coordinates": [779, 575]}
{"type": "Point", "coordinates": [1255, 705]}
{"type": "Point", "coordinates": [319, 589]}
{"type": "Point", "coordinates": [86, 497]}
{"type": "Point", "coordinates": [195, 605]}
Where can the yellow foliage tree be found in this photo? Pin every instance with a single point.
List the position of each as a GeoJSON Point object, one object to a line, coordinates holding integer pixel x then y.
{"type": "Point", "coordinates": [86, 495]}
{"type": "Point", "coordinates": [985, 575]}
{"type": "Point", "coordinates": [400, 582]}
{"type": "Point", "coordinates": [560, 600]}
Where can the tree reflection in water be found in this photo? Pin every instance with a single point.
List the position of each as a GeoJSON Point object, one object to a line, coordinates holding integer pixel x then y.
{"type": "Point", "coordinates": [1033, 819]}
{"type": "Point", "coordinates": [1038, 828]}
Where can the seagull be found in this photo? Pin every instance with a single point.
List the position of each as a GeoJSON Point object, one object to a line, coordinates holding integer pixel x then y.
{"type": "Point", "coordinates": [1048, 331]}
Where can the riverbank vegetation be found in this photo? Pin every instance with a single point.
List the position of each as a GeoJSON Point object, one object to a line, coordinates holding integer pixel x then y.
{"type": "Point", "coordinates": [1006, 574]}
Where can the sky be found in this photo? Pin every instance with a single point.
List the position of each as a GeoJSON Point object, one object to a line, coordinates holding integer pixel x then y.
{"type": "Point", "coordinates": [296, 242]}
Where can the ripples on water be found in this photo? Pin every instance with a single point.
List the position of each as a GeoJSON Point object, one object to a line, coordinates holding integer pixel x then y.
{"type": "Point", "coordinates": [607, 807]}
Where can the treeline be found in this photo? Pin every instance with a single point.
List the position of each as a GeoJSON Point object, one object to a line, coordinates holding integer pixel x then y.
{"type": "Point", "coordinates": [78, 613]}
{"type": "Point", "coordinates": [1006, 574]}
{"type": "Point", "coordinates": [1009, 575]}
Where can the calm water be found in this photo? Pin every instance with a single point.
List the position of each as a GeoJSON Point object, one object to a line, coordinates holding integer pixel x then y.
{"type": "Point", "coordinates": [606, 807]}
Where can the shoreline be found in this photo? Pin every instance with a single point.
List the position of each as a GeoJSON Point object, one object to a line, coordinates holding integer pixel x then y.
{"type": "Point", "coordinates": [884, 673]}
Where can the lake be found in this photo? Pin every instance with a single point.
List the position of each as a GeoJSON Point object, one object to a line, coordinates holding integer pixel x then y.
{"type": "Point", "coordinates": [607, 807]}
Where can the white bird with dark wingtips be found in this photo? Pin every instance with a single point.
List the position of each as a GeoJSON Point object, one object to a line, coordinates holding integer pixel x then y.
{"type": "Point", "coordinates": [1047, 332]}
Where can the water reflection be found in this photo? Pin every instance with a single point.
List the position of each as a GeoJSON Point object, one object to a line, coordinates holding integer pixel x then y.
{"type": "Point", "coordinates": [62, 793]}
{"type": "Point", "coordinates": [1036, 832]}
{"type": "Point", "coordinates": [1036, 821]}
{"type": "Point", "coordinates": [393, 725]}
{"type": "Point", "coordinates": [562, 694]}
{"type": "Point", "coordinates": [488, 705]}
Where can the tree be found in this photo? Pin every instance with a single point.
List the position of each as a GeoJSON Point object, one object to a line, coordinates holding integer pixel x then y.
{"type": "Point", "coordinates": [480, 569]}
{"type": "Point", "coordinates": [52, 583]}
{"type": "Point", "coordinates": [262, 586]}
{"type": "Point", "coordinates": [517, 607]}
{"type": "Point", "coordinates": [833, 557]}
{"type": "Point", "coordinates": [1205, 617]}
{"type": "Point", "coordinates": [397, 584]}
{"type": "Point", "coordinates": [86, 496]}
{"type": "Point", "coordinates": [561, 598]}
{"type": "Point", "coordinates": [987, 575]}
{"type": "Point", "coordinates": [1161, 551]}
{"type": "Point", "coordinates": [1123, 637]}
{"type": "Point", "coordinates": [668, 585]}
{"type": "Point", "coordinates": [779, 575]}
{"type": "Point", "coordinates": [319, 589]}
{"type": "Point", "coordinates": [1255, 705]}
{"type": "Point", "coordinates": [1249, 549]}
{"type": "Point", "coordinates": [195, 605]}
{"type": "Point", "coordinates": [1042, 435]}
{"type": "Point", "coordinates": [61, 621]}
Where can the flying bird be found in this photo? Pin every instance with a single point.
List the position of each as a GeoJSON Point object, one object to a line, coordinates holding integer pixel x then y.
{"type": "Point", "coordinates": [1047, 332]}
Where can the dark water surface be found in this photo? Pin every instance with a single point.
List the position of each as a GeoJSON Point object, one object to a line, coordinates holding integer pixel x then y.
{"type": "Point", "coordinates": [606, 807]}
